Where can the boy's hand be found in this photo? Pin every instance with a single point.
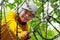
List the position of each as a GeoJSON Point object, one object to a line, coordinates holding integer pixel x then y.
{"type": "Point", "coordinates": [26, 36]}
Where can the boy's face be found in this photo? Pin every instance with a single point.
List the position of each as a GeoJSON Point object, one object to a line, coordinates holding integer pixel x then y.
{"type": "Point", "coordinates": [25, 15]}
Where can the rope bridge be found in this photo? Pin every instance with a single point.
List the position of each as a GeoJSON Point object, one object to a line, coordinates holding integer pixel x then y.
{"type": "Point", "coordinates": [34, 29]}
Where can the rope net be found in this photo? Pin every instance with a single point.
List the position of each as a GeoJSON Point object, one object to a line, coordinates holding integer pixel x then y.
{"type": "Point", "coordinates": [38, 21]}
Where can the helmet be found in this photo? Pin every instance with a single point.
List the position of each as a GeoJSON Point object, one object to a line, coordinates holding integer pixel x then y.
{"type": "Point", "coordinates": [28, 6]}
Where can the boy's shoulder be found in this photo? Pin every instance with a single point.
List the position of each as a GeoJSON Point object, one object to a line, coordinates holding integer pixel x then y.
{"type": "Point", "coordinates": [10, 12]}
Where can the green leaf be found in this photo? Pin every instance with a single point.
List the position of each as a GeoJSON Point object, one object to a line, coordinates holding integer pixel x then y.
{"type": "Point", "coordinates": [50, 33]}
{"type": "Point", "coordinates": [32, 37]}
{"type": "Point", "coordinates": [10, 6]}
{"type": "Point", "coordinates": [39, 11]}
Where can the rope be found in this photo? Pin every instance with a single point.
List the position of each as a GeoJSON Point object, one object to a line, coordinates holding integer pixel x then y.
{"type": "Point", "coordinates": [47, 15]}
{"type": "Point", "coordinates": [56, 20]}
{"type": "Point", "coordinates": [17, 22]}
{"type": "Point", "coordinates": [2, 2]}
{"type": "Point", "coordinates": [35, 28]}
{"type": "Point", "coordinates": [54, 27]}
{"type": "Point", "coordinates": [42, 10]}
{"type": "Point", "coordinates": [35, 35]}
{"type": "Point", "coordinates": [7, 24]}
{"type": "Point", "coordinates": [54, 9]}
{"type": "Point", "coordinates": [40, 35]}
